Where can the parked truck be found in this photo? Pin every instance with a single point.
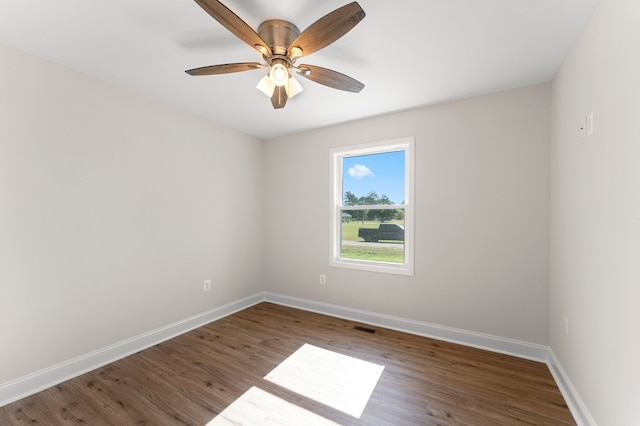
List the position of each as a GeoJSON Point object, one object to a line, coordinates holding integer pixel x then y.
{"type": "Point", "coordinates": [385, 231]}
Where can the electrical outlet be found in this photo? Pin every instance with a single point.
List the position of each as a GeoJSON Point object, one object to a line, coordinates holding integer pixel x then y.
{"type": "Point", "coordinates": [207, 285]}
{"type": "Point", "coordinates": [566, 325]}
{"type": "Point", "coordinates": [323, 279]}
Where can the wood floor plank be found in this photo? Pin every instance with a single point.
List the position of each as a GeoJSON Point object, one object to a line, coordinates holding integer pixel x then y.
{"type": "Point", "coordinates": [190, 379]}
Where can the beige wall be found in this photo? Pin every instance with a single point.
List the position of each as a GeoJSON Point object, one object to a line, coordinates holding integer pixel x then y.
{"type": "Point", "coordinates": [482, 191]}
{"type": "Point", "coordinates": [113, 210]}
{"type": "Point", "coordinates": [595, 215]}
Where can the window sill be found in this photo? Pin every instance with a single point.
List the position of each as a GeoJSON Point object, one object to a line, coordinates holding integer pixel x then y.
{"type": "Point", "coordinates": [363, 265]}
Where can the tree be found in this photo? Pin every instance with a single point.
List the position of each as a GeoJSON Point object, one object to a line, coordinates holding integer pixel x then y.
{"type": "Point", "coordinates": [382, 215]}
{"type": "Point", "coordinates": [371, 199]}
{"type": "Point", "coordinates": [350, 199]}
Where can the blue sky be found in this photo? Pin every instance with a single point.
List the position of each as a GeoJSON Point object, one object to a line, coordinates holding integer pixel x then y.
{"type": "Point", "coordinates": [382, 173]}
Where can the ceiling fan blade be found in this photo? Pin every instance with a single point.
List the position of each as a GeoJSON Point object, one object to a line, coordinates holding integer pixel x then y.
{"type": "Point", "coordinates": [331, 78]}
{"type": "Point", "coordinates": [279, 97]}
{"type": "Point", "coordinates": [328, 29]}
{"type": "Point", "coordinates": [225, 68]}
{"type": "Point", "coordinates": [233, 23]}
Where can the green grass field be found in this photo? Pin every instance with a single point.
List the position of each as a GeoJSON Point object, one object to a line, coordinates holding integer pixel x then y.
{"type": "Point", "coordinates": [370, 251]}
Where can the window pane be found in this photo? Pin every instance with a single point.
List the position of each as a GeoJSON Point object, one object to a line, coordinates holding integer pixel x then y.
{"type": "Point", "coordinates": [372, 202]}
{"type": "Point", "coordinates": [374, 179]}
{"type": "Point", "coordinates": [365, 237]}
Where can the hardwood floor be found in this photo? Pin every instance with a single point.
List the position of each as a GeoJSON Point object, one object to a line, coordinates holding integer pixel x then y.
{"type": "Point", "coordinates": [193, 377]}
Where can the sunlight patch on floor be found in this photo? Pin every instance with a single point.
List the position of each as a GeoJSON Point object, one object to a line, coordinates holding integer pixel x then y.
{"type": "Point", "coordinates": [257, 407]}
{"type": "Point", "coordinates": [338, 381]}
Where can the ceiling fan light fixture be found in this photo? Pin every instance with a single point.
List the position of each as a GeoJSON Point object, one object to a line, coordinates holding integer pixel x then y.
{"type": "Point", "coordinates": [279, 74]}
{"type": "Point", "coordinates": [266, 86]}
{"type": "Point", "coordinates": [293, 87]}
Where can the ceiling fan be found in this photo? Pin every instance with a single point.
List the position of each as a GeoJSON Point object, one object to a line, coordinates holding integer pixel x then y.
{"type": "Point", "coordinates": [281, 43]}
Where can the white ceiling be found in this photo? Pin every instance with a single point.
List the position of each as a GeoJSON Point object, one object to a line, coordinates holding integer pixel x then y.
{"type": "Point", "coordinates": [408, 53]}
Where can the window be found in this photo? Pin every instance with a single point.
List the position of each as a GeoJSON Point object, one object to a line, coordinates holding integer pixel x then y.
{"type": "Point", "coordinates": [372, 207]}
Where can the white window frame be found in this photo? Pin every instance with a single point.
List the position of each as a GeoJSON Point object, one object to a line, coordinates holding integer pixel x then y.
{"type": "Point", "coordinates": [337, 154]}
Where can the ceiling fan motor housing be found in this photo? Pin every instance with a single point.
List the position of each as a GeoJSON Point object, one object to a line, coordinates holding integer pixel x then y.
{"type": "Point", "coordinates": [278, 34]}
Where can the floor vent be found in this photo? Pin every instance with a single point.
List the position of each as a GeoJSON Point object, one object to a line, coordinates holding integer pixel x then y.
{"type": "Point", "coordinates": [365, 329]}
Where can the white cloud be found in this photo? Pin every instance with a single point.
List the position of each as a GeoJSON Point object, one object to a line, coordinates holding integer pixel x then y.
{"type": "Point", "coordinates": [360, 171]}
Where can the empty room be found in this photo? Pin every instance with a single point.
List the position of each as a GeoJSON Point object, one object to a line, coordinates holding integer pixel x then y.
{"type": "Point", "coordinates": [368, 213]}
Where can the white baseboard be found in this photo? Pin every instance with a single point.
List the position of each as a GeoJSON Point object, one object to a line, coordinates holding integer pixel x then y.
{"type": "Point", "coordinates": [578, 408]}
{"type": "Point", "coordinates": [502, 345]}
{"type": "Point", "coordinates": [24, 386]}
